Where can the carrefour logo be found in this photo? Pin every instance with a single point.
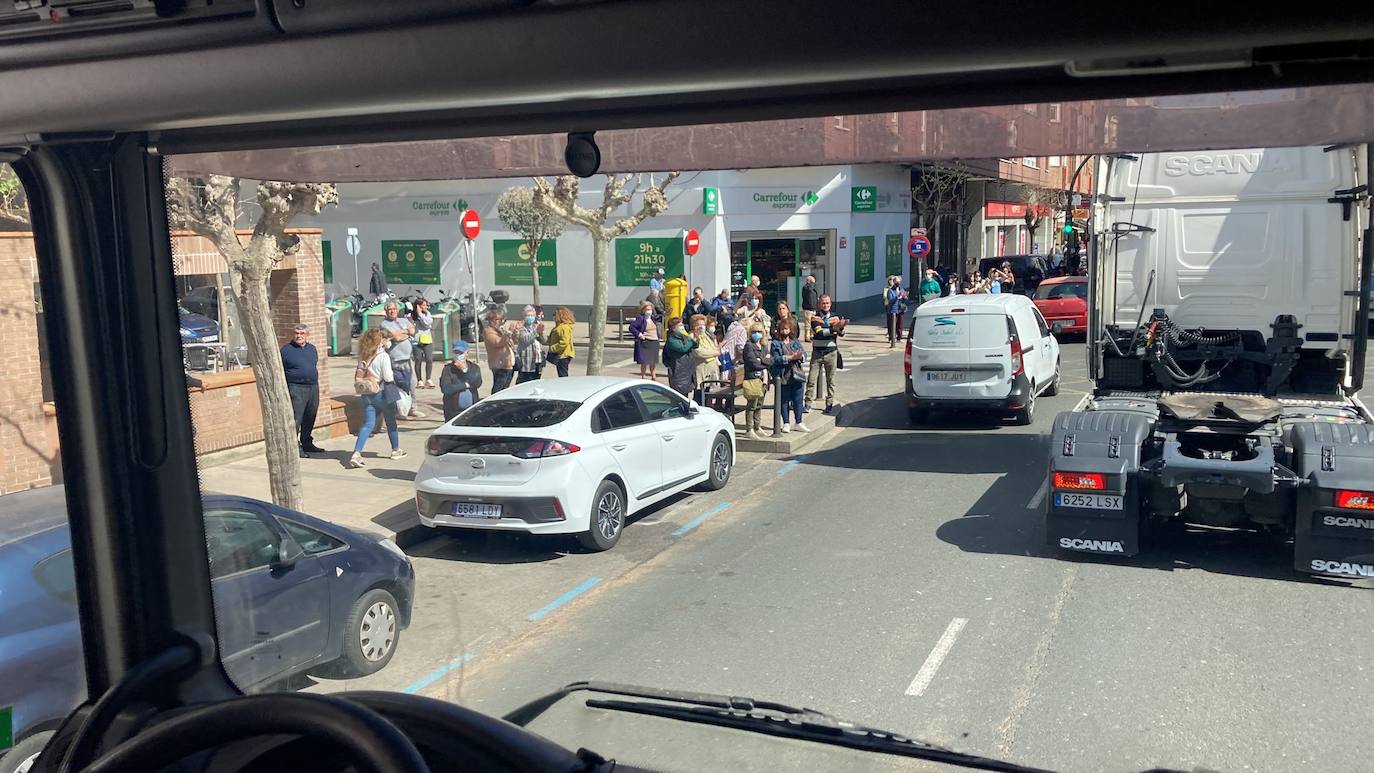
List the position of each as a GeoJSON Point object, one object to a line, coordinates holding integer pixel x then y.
{"type": "Point", "coordinates": [944, 321]}
{"type": "Point", "coordinates": [440, 208]}
{"type": "Point", "coordinates": [784, 200]}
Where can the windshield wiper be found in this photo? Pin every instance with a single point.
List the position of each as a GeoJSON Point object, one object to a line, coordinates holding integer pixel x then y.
{"type": "Point", "coordinates": [753, 716]}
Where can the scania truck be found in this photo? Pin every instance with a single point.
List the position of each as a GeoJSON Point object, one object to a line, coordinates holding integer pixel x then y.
{"type": "Point", "coordinates": [1229, 296]}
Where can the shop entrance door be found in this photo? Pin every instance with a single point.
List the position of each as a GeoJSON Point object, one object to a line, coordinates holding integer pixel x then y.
{"type": "Point", "coordinates": [780, 262]}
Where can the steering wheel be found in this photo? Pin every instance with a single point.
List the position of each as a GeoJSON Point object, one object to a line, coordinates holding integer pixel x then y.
{"type": "Point", "coordinates": [371, 742]}
{"type": "Point", "coordinates": [377, 731]}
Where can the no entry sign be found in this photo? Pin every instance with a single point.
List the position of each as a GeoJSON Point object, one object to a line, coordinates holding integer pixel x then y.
{"type": "Point", "coordinates": [919, 246]}
{"type": "Point", "coordinates": [471, 224]}
{"type": "Point", "coordinates": [691, 241]}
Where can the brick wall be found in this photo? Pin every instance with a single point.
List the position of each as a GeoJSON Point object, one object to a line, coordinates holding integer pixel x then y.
{"type": "Point", "coordinates": [28, 449]}
{"type": "Point", "coordinates": [224, 412]}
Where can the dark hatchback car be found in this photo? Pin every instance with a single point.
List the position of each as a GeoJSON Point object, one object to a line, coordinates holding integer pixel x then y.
{"type": "Point", "coordinates": [299, 595]}
{"type": "Point", "coordinates": [1029, 270]}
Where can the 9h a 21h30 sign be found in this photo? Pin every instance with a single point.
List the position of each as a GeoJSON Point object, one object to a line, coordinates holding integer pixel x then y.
{"type": "Point", "coordinates": [636, 259]}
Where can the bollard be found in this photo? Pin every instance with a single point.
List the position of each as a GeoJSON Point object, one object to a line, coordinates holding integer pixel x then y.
{"type": "Point", "coordinates": [777, 407]}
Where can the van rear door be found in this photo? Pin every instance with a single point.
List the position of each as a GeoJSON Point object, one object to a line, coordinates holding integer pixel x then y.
{"type": "Point", "coordinates": [960, 355]}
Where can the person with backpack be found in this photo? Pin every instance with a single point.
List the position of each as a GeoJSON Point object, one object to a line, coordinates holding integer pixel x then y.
{"type": "Point", "coordinates": [374, 381]}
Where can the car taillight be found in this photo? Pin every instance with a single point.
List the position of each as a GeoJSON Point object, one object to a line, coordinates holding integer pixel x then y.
{"type": "Point", "coordinates": [1355, 500]}
{"type": "Point", "coordinates": [1080, 480]}
{"type": "Point", "coordinates": [541, 448]}
{"type": "Point", "coordinates": [1017, 365]}
{"type": "Point", "coordinates": [906, 358]}
{"type": "Point", "coordinates": [438, 445]}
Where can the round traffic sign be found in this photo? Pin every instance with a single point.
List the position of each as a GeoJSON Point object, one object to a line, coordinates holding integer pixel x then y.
{"type": "Point", "coordinates": [691, 242]}
{"type": "Point", "coordinates": [471, 224]}
{"type": "Point", "coordinates": [353, 245]}
{"type": "Point", "coordinates": [919, 246]}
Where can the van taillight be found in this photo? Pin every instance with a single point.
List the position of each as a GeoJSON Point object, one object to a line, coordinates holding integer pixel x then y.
{"type": "Point", "coordinates": [906, 358]}
{"type": "Point", "coordinates": [1017, 365]}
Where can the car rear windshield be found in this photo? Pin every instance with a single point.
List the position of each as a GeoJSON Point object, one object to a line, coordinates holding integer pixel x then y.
{"type": "Point", "coordinates": [516, 413]}
{"type": "Point", "coordinates": [1064, 290]}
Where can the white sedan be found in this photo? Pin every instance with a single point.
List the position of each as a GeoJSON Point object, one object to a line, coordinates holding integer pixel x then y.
{"type": "Point", "coordinates": [570, 456]}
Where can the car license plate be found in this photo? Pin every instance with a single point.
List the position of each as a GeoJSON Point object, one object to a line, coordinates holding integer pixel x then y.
{"type": "Point", "coordinates": [1089, 501]}
{"type": "Point", "coordinates": [476, 510]}
{"type": "Point", "coordinates": [1060, 324]}
{"type": "Point", "coordinates": [946, 375]}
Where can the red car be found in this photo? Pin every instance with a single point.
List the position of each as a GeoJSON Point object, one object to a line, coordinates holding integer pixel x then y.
{"type": "Point", "coordinates": [1063, 302]}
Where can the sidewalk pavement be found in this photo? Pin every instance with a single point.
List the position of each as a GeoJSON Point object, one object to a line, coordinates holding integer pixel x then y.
{"type": "Point", "coordinates": [380, 497]}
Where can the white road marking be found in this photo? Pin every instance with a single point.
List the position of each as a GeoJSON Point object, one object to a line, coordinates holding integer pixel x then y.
{"type": "Point", "coordinates": [937, 656]}
{"type": "Point", "coordinates": [1040, 494]}
{"type": "Point", "coordinates": [624, 363]}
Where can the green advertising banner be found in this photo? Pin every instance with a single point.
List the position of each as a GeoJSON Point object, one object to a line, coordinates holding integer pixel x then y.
{"type": "Point", "coordinates": [511, 262]}
{"type": "Point", "coordinates": [411, 261]}
{"type": "Point", "coordinates": [863, 198]}
{"type": "Point", "coordinates": [636, 260]}
{"type": "Point", "coordinates": [893, 249]}
{"type": "Point", "coordinates": [326, 258]}
{"type": "Point", "coordinates": [863, 259]}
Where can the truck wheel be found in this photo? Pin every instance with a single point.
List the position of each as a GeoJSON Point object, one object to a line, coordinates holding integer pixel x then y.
{"type": "Point", "coordinates": [1026, 414]}
{"type": "Point", "coordinates": [1053, 388]}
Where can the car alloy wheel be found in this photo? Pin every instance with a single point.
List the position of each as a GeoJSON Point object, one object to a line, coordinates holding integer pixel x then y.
{"type": "Point", "coordinates": [610, 515]}
{"type": "Point", "coordinates": [377, 631]}
{"type": "Point", "coordinates": [720, 461]}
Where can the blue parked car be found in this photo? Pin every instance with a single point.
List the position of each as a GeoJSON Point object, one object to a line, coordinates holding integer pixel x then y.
{"type": "Point", "coordinates": [293, 595]}
{"type": "Point", "coordinates": [197, 328]}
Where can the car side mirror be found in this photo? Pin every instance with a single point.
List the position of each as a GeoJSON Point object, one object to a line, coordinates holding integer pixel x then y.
{"type": "Point", "coordinates": [288, 554]}
{"type": "Point", "coordinates": [692, 409]}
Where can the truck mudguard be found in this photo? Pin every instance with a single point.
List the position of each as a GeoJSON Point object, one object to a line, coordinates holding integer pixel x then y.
{"type": "Point", "coordinates": [1103, 446]}
{"type": "Point", "coordinates": [1334, 527]}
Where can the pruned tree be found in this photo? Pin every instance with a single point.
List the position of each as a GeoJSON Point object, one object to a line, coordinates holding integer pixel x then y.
{"type": "Point", "coordinates": [935, 192]}
{"type": "Point", "coordinates": [560, 198]}
{"type": "Point", "coordinates": [1041, 202]}
{"type": "Point", "coordinates": [13, 205]}
{"type": "Point", "coordinates": [533, 224]}
{"type": "Point", "coordinates": [210, 206]}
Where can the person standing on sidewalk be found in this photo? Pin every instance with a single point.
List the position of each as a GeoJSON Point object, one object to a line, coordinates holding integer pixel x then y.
{"type": "Point", "coordinates": [656, 287]}
{"type": "Point", "coordinates": [424, 343]}
{"type": "Point", "coordinates": [789, 359]}
{"type": "Point", "coordinates": [561, 350]}
{"type": "Point", "coordinates": [811, 296]}
{"type": "Point", "coordinates": [529, 347]}
{"type": "Point", "coordinates": [930, 288]}
{"type": "Point", "coordinates": [826, 329]}
{"type": "Point", "coordinates": [458, 381]}
{"type": "Point", "coordinates": [300, 360]}
{"type": "Point", "coordinates": [677, 357]}
{"type": "Point", "coordinates": [756, 362]}
{"type": "Point", "coordinates": [697, 305]}
{"type": "Point", "coordinates": [784, 319]}
{"type": "Point", "coordinates": [894, 302]}
{"type": "Point", "coordinates": [497, 340]}
{"type": "Point", "coordinates": [753, 290]}
{"type": "Point", "coordinates": [377, 284]}
{"type": "Point", "coordinates": [706, 355]}
{"type": "Point", "coordinates": [401, 334]}
{"type": "Point", "coordinates": [724, 308]}
{"type": "Point", "coordinates": [371, 379]}
{"type": "Point", "coordinates": [647, 343]}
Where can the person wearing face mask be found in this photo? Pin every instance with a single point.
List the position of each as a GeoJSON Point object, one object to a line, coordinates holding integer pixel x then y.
{"type": "Point", "coordinates": [706, 355]}
{"type": "Point", "coordinates": [496, 338]}
{"type": "Point", "coordinates": [756, 362]}
{"type": "Point", "coordinates": [647, 342]}
{"type": "Point", "coordinates": [459, 382]}
{"type": "Point", "coordinates": [677, 350]}
{"type": "Point", "coordinates": [529, 347]}
{"type": "Point", "coordinates": [753, 313]}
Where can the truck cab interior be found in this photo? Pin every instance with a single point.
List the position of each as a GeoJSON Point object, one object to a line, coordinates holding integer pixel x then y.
{"type": "Point", "coordinates": [94, 96]}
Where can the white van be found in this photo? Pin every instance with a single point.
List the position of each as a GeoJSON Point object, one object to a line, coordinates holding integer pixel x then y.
{"type": "Point", "coordinates": [984, 351]}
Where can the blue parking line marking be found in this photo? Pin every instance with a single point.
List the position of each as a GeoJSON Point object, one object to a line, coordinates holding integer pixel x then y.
{"type": "Point", "coordinates": [436, 675]}
{"type": "Point", "coordinates": [786, 468]}
{"type": "Point", "coordinates": [700, 519]}
{"type": "Point", "coordinates": [565, 598]}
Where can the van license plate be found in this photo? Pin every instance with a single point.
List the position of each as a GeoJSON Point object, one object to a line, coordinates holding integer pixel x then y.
{"type": "Point", "coordinates": [1089, 501]}
{"type": "Point", "coordinates": [946, 375]}
{"type": "Point", "coordinates": [475, 510]}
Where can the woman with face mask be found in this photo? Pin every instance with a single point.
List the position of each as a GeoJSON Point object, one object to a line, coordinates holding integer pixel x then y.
{"type": "Point", "coordinates": [677, 356]}
{"type": "Point", "coordinates": [756, 362]}
{"type": "Point", "coordinates": [706, 356]}
{"type": "Point", "coordinates": [529, 347]}
{"type": "Point", "coordinates": [458, 382]}
{"type": "Point", "coordinates": [647, 343]}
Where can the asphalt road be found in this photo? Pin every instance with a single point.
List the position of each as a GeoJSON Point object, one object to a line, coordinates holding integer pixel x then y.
{"type": "Point", "coordinates": [899, 578]}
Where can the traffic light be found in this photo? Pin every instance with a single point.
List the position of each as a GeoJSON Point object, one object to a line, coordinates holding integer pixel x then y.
{"type": "Point", "coordinates": [1068, 228]}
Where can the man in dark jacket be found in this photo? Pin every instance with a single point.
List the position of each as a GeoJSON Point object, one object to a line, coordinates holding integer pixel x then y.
{"type": "Point", "coordinates": [377, 285]}
{"type": "Point", "coordinates": [459, 381]}
{"type": "Point", "coordinates": [300, 360]}
{"type": "Point", "coordinates": [811, 296]}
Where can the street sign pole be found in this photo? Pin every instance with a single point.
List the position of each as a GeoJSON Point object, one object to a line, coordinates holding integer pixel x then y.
{"type": "Point", "coordinates": [351, 244]}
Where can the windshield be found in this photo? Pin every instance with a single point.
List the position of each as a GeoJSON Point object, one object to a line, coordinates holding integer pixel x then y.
{"type": "Point", "coordinates": [516, 413]}
{"type": "Point", "coordinates": [815, 492]}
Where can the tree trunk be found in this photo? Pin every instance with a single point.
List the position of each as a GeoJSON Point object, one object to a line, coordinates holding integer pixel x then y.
{"type": "Point", "coordinates": [278, 420]}
{"type": "Point", "coordinates": [533, 247]}
{"type": "Point", "coordinates": [596, 348]}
